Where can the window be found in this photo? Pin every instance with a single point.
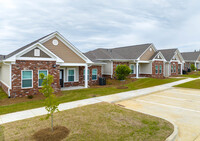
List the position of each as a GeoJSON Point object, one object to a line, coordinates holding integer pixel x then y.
{"type": "Point", "coordinates": [36, 52]}
{"type": "Point", "coordinates": [156, 69]}
{"type": "Point", "coordinates": [160, 69]}
{"type": "Point", "coordinates": [174, 68]}
{"type": "Point", "coordinates": [132, 67]}
{"type": "Point", "coordinates": [71, 75]}
{"type": "Point", "coordinates": [171, 68]}
{"type": "Point", "coordinates": [45, 72]}
{"type": "Point", "coordinates": [94, 74]}
{"type": "Point", "coordinates": [27, 79]}
{"type": "Point", "coordinates": [88, 76]}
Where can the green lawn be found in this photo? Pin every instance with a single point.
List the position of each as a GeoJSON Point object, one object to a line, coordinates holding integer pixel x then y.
{"type": "Point", "coordinates": [110, 122]}
{"type": "Point", "coordinates": [192, 75]}
{"type": "Point", "coordinates": [192, 84]}
{"type": "Point", "coordinates": [1, 134]}
{"type": "Point", "coordinates": [86, 93]}
{"type": "Point", "coordinates": [3, 95]}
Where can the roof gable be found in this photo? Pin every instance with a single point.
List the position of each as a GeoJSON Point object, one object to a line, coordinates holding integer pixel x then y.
{"type": "Point", "coordinates": [31, 53]}
{"type": "Point", "coordinates": [157, 56]}
{"type": "Point", "coordinates": [168, 53]}
{"type": "Point", "coordinates": [45, 39]}
{"type": "Point", "coordinates": [63, 51]}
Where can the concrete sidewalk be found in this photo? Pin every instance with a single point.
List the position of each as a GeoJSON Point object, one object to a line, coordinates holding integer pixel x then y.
{"type": "Point", "coordinates": [109, 98]}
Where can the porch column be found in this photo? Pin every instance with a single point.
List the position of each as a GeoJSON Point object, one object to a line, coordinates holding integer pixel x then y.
{"type": "Point", "coordinates": [137, 70]}
{"type": "Point", "coordinates": [181, 68]}
{"type": "Point", "coordinates": [195, 64]}
{"type": "Point", "coordinates": [86, 74]}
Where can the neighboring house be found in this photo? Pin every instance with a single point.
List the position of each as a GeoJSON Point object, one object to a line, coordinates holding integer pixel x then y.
{"type": "Point", "coordinates": [174, 62]}
{"type": "Point", "coordinates": [191, 58]}
{"type": "Point", "coordinates": [51, 54]}
{"type": "Point", "coordinates": [144, 60]}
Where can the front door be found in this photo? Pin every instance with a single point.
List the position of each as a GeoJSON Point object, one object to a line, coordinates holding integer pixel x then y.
{"type": "Point", "coordinates": [61, 78]}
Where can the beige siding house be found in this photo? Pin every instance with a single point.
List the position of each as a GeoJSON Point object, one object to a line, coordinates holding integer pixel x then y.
{"type": "Point", "coordinates": [51, 54]}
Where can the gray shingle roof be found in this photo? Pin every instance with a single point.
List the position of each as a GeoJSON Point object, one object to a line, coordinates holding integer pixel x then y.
{"type": "Point", "coordinates": [24, 47]}
{"type": "Point", "coordinates": [190, 56]}
{"type": "Point", "coordinates": [128, 52]}
{"type": "Point", "coordinates": [168, 53]}
{"type": "Point", "coordinates": [154, 55]}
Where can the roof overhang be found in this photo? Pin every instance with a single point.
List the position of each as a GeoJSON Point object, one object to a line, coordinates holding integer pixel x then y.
{"type": "Point", "coordinates": [40, 46]}
{"type": "Point", "coordinates": [68, 44]}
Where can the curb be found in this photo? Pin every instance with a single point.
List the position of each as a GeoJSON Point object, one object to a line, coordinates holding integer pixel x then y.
{"type": "Point", "coordinates": [173, 136]}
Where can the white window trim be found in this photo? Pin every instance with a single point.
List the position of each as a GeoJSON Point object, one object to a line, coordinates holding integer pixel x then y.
{"type": "Point", "coordinates": [157, 69]}
{"type": "Point", "coordinates": [68, 74]}
{"type": "Point", "coordinates": [160, 70]}
{"type": "Point", "coordinates": [97, 74]}
{"type": "Point", "coordinates": [23, 79]}
{"type": "Point", "coordinates": [133, 69]}
{"type": "Point", "coordinates": [39, 76]}
{"type": "Point", "coordinates": [88, 75]}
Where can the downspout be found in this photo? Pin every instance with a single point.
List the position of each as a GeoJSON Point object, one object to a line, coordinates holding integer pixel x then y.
{"type": "Point", "coordinates": [111, 69]}
{"type": "Point", "coordinates": [10, 79]}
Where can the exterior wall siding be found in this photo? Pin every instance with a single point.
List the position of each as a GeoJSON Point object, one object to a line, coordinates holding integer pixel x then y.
{"type": "Point", "coordinates": [147, 55]}
{"type": "Point", "coordinates": [63, 51]}
{"type": "Point", "coordinates": [18, 91]}
{"type": "Point", "coordinates": [5, 74]}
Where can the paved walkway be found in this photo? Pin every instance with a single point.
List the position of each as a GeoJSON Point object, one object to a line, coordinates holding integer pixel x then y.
{"type": "Point", "coordinates": [179, 105]}
{"type": "Point", "coordinates": [109, 98]}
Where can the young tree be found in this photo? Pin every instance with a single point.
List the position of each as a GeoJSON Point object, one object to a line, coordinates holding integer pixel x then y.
{"type": "Point", "coordinates": [122, 71]}
{"type": "Point", "coordinates": [51, 103]}
{"type": "Point", "coordinates": [193, 67]}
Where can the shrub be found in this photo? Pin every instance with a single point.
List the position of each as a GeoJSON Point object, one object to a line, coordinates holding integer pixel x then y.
{"type": "Point", "coordinates": [30, 96]}
{"type": "Point", "coordinates": [193, 67]}
{"type": "Point", "coordinates": [122, 71]}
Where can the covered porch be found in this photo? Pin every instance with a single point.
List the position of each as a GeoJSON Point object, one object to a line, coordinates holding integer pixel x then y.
{"type": "Point", "coordinates": [141, 69]}
{"type": "Point", "coordinates": [72, 76]}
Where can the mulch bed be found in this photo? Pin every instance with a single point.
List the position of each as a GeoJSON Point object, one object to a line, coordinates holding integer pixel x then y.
{"type": "Point", "coordinates": [59, 133]}
{"type": "Point", "coordinates": [9, 101]}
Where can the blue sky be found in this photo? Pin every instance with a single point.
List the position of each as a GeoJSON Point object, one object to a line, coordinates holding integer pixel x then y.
{"type": "Point", "coordinates": [93, 24]}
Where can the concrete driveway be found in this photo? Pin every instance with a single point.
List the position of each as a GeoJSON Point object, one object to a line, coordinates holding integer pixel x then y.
{"type": "Point", "coordinates": [182, 106]}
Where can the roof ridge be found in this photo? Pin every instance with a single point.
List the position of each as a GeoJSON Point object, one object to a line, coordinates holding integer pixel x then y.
{"type": "Point", "coordinates": [169, 49]}
{"type": "Point", "coordinates": [27, 45]}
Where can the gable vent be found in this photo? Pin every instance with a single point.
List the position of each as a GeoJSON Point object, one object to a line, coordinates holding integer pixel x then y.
{"type": "Point", "coordinates": [36, 52]}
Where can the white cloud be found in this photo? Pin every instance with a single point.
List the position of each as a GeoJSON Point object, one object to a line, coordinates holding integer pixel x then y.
{"type": "Point", "coordinates": [90, 24]}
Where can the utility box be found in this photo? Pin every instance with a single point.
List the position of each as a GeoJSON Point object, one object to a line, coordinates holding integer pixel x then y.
{"type": "Point", "coordinates": [102, 81]}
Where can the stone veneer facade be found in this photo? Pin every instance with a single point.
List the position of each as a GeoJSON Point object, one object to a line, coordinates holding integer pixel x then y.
{"type": "Point", "coordinates": [18, 91]}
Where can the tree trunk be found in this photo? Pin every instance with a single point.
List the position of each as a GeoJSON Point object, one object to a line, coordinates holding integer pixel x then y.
{"type": "Point", "coordinates": [52, 122]}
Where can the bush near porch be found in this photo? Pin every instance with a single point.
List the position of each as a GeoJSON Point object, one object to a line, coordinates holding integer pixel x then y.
{"type": "Point", "coordinates": [110, 122]}
{"type": "Point", "coordinates": [19, 104]}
